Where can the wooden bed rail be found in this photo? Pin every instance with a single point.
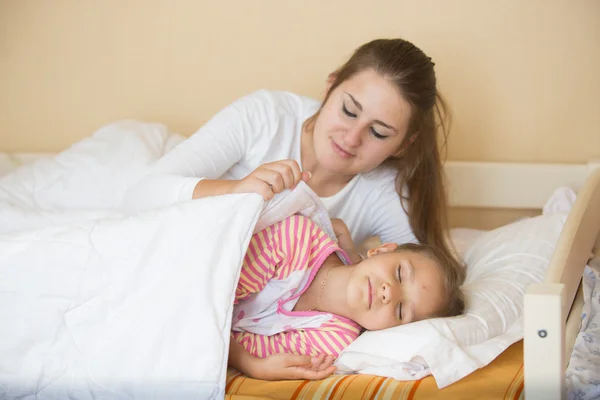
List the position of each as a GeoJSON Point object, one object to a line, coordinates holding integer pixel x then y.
{"type": "Point", "coordinates": [546, 352]}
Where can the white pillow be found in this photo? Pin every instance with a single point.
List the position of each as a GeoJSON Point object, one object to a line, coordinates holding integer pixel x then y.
{"type": "Point", "coordinates": [463, 238]}
{"type": "Point", "coordinates": [501, 264]}
{"type": "Point", "coordinates": [93, 173]}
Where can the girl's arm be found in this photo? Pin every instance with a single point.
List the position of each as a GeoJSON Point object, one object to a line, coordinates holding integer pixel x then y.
{"type": "Point", "coordinates": [241, 360]}
{"type": "Point", "coordinates": [279, 366]}
{"type": "Point", "coordinates": [330, 338]}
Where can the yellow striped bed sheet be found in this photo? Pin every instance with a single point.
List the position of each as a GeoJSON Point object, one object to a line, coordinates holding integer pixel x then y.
{"type": "Point", "coordinates": [501, 379]}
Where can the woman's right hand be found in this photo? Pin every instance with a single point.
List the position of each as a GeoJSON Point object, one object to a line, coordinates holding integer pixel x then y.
{"type": "Point", "coordinates": [271, 178]}
{"type": "Point", "coordinates": [283, 366]}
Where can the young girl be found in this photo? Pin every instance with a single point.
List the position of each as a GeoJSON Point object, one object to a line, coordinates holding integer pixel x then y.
{"type": "Point", "coordinates": [300, 294]}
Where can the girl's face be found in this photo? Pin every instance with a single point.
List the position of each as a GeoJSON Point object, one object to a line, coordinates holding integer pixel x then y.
{"type": "Point", "coordinates": [363, 122]}
{"type": "Point", "coordinates": [394, 288]}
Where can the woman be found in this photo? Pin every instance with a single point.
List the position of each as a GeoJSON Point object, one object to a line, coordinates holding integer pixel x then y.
{"type": "Point", "coordinates": [369, 150]}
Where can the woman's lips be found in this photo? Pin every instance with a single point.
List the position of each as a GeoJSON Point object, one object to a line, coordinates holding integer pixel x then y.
{"type": "Point", "coordinates": [339, 151]}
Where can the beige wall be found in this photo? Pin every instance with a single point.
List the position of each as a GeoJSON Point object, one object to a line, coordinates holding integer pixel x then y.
{"type": "Point", "coordinates": [522, 76]}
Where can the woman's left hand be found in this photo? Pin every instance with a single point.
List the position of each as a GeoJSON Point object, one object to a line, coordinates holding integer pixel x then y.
{"type": "Point", "coordinates": [345, 240]}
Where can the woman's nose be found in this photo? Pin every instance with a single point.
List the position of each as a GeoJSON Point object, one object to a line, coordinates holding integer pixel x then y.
{"type": "Point", "coordinates": [353, 136]}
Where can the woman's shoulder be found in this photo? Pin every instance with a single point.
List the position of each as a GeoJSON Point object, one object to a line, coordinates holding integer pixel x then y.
{"type": "Point", "coordinates": [379, 186]}
{"type": "Point", "coordinates": [382, 177]}
{"type": "Point", "coordinates": [279, 101]}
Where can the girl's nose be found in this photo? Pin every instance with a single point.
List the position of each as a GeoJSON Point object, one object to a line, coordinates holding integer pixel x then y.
{"type": "Point", "coordinates": [389, 292]}
{"type": "Point", "coordinates": [386, 295]}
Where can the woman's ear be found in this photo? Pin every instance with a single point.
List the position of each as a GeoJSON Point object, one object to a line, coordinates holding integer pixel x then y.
{"type": "Point", "coordinates": [384, 248]}
{"type": "Point", "coordinates": [410, 141]}
{"type": "Point", "coordinates": [330, 79]}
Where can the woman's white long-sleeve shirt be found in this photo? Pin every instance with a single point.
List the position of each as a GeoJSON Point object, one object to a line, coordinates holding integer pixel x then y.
{"type": "Point", "coordinates": [262, 127]}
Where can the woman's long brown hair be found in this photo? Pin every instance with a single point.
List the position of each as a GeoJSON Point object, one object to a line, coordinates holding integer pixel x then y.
{"type": "Point", "coordinates": [420, 179]}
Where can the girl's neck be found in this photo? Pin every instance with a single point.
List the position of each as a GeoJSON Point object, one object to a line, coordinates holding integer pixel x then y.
{"type": "Point", "coordinates": [330, 296]}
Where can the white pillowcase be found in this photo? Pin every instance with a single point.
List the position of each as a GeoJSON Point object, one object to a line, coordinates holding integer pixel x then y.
{"type": "Point", "coordinates": [93, 173]}
{"type": "Point", "coordinates": [501, 264]}
{"type": "Point", "coordinates": [463, 238]}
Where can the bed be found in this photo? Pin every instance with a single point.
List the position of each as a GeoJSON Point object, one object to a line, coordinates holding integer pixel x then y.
{"type": "Point", "coordinates": [534, 367]}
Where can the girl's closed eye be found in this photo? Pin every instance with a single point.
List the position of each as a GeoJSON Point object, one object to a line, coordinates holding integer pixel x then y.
{"type": "Point", "coordinates": [399, 275]}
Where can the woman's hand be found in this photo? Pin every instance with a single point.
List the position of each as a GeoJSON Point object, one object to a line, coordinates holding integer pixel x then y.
{"type": "Point", "coordinates": [345, 240]}
{"type": "Point", "coordinates": [266, 180]}
{"type": "Point", "coordinates": [271, 178]}
{"type": "Point", "coordinates": [283, 366]}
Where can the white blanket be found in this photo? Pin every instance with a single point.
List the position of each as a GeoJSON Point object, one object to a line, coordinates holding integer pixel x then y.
{"type": "Point", "coordinates": [98, 304]}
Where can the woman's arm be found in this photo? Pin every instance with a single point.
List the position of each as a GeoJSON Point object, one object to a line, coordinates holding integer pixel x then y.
{"type": "Point", "coordinates": [266, 180]}
{"type": "Point", "coordinates": [345, 241]}
{"type": "Point", "coordinates": [208, 153]}
{"type": "Point", "coordinates": [225, 140]}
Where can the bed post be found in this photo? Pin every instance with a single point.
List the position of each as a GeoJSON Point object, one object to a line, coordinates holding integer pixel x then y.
{"type": "Point", "coordinates": [544, 343]}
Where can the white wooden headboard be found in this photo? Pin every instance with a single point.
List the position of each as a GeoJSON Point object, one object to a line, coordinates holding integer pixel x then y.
{"type": "Point", "coordinates": [508, 185]}
{"type": "Point", "coordinates": [471, 184]}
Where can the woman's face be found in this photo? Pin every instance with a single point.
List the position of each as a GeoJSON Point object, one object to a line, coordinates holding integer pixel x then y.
{"type": "Point", "coordinates": [363, 122]}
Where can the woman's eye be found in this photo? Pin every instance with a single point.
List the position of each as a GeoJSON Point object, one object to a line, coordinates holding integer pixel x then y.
{"type": "Point", "coordinates": [398, 271]}
{"type": "Point", "coordinates": [377, 134]}
{"type": "Point", "coordinates": [348, 113]}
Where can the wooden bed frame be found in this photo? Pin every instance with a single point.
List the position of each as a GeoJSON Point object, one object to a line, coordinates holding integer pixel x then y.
{"type": "Point", "coordinates": [549, 337]}
{"type": "Point", "coordinates": [552, 309]}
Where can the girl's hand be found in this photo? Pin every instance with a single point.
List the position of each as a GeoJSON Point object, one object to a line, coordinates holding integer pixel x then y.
{"type": "Point", "coordinates": [345, 240]}
{"type": "Point", "coordinates": [290, 366]}
{"type": "Point", "coordinates": [271, 178]}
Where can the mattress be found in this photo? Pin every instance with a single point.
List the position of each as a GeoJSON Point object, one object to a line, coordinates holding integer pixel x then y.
{"type": "Point", "coordinates": [501, 379]}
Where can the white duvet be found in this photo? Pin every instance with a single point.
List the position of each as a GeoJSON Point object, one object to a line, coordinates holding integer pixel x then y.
{"type": "Point", "coordinates": [98, 304]}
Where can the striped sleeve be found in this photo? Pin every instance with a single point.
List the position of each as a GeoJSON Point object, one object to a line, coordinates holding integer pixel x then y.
{"type": "Point", "coordinates": [275, 252]}
{"type": "Point", "coordinates": [329, 338]}
{"type": "Point", "coordinates": [259, 265]}
{"type": "Point", "coordinates": [299, 243]}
